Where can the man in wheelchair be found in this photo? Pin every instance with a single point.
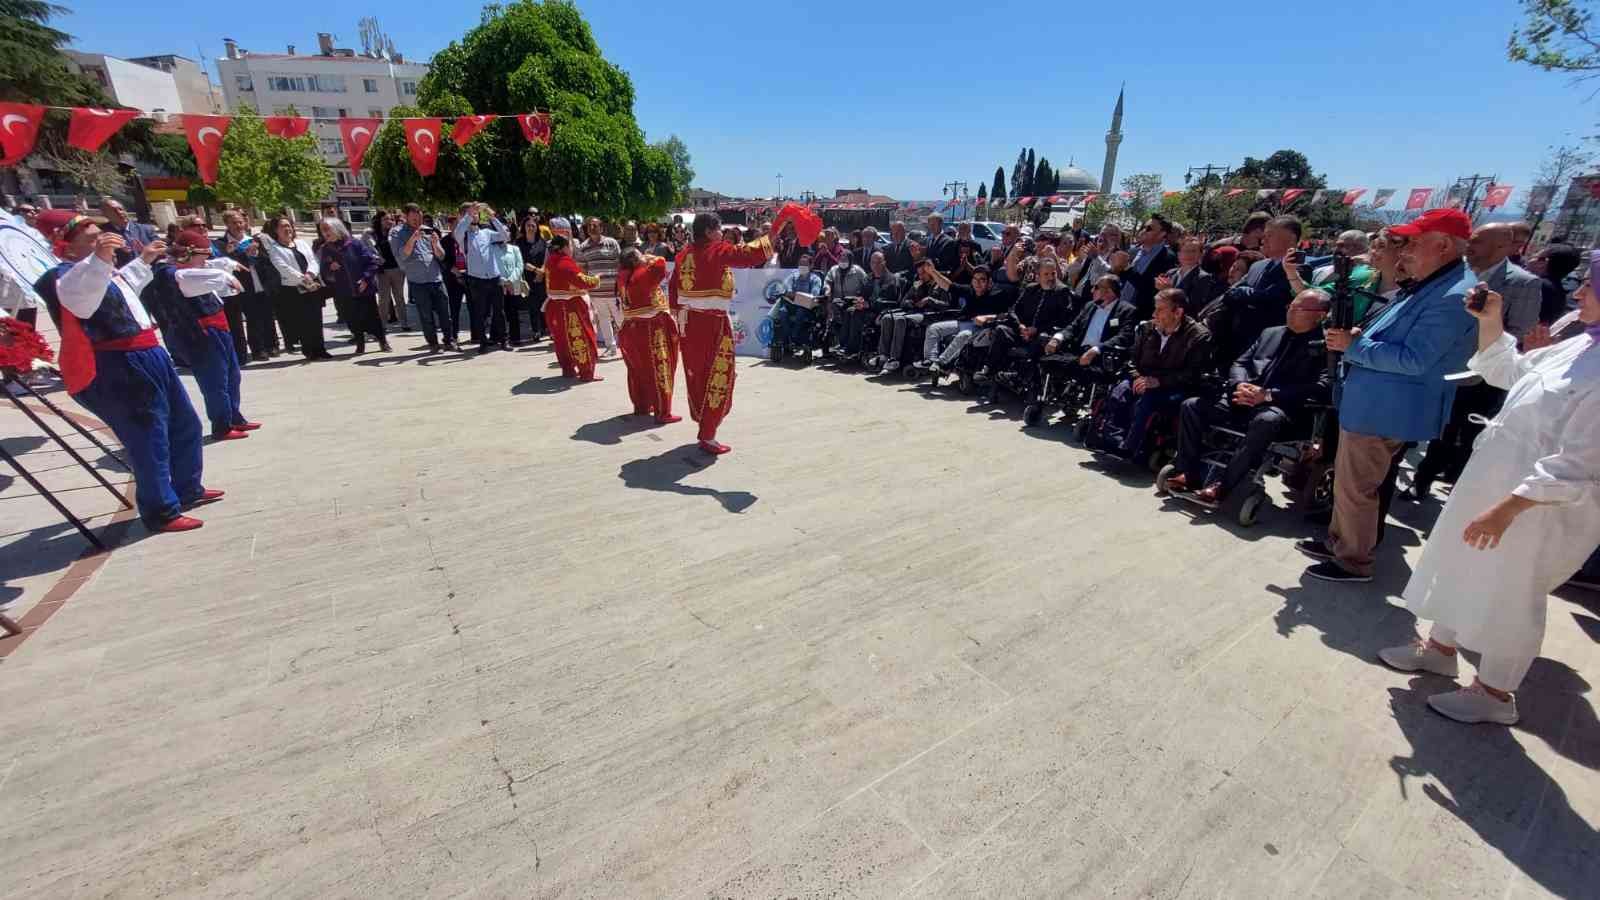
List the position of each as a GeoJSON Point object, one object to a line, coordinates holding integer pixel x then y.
{"type": "Point", "coordinates": [1107, 321]}
{"type": "Point", "coordinates": [794, 315]}
{"type": "Point", "coordinates": [982, 299]}
{"type": "Point", "coordinates": [921, 299]}
{"type": "Point", "coordinates": [1171, 354]}
{"type": "Point", "coordinates": [1043, 308]}
{"type": "Point", "coordinates": [1269, 389]}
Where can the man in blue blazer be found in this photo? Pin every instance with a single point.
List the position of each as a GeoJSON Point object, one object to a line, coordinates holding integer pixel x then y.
{"type": "Point", "coordinates": [1394, 390]}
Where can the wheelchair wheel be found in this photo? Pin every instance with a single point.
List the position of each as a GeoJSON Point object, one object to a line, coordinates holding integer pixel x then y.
{"type": "Point", "coordinates": [965, 384]}
{"type": "Point", "coordinates": [1032, 414]}
{"type": "Point", "coordinates": [1251, 508]}
{"type": "Point", "coordinates": [1080, 430]}
{"type": "Point", "coordinates": [1157, 460]}
{"type": "Point", "coordinates": [1162, 477]}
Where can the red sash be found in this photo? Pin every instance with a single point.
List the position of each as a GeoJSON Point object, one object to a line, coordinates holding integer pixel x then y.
{"type": "Point", "coordinates": [218, 319]}
{"type": "Point", "coordinates": [77, 352]}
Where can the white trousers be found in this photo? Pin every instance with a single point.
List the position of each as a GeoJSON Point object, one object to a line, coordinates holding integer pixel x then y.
{"type": "Point", "coordinates": [1502, 670]}
{"type": "Point", "coordinates": [607, 319]}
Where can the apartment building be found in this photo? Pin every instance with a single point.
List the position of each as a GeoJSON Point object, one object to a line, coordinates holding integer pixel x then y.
{"type": "Point", "coordinates": [332, 83]}
{"type": "Point", "coordinates": [167, 83]}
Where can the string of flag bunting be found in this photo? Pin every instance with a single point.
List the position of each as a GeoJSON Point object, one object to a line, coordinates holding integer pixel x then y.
{"type": "Point", "coordinates": [91, 127]}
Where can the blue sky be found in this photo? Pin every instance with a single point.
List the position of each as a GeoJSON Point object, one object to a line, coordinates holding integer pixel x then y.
{"type": "Point", "coordinates": [1410, 93]}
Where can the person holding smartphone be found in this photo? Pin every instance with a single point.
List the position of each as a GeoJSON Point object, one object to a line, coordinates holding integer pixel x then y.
{"type": "Point", "coordinates": [1524, 515]}
{"type": "Point", "coordinates": [419, 248]}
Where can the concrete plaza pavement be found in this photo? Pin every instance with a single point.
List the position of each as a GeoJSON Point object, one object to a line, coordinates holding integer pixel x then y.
{"type": "Point", "coordinates": [459, 629]}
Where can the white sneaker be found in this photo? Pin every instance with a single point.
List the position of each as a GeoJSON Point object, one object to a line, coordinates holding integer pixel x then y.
{"type": "Point", "coordinates": [1472, 704]}
{"type": "Point", "coordinates": [892, 365]}
{"type": "Point", "coordinates": [1419, 655]}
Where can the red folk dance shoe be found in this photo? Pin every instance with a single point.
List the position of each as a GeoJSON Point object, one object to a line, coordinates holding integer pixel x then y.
{"type": "Point", "coordinates": [230, 436]}
{"type": "Point", "coordinates": [247, 426]}
{"type": "Point", "coordinates": [180, 523]}
{"type": "Point", "coordinates": [209, 495]}
{"type": "Point", "coordinates": [715, 448]}
{"type": "Point", "coordinates": [668, 419]}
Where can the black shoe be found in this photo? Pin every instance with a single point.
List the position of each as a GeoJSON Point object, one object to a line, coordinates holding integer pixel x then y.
{"type": "Point", "coordinates": [505, 346]}
{"type": "Point", "coordinates": [260, 357]}
{"type": "Point", "coordinates": [1417, 492]}
{"type": "Point", "coordinates": [482, 349]}
{"type": "Point", "coordinates": [1332, 571]}
{"type": "Point", "coordinates": [384, 346]}
{"type": "Point", "coordinates": [1314, 548]}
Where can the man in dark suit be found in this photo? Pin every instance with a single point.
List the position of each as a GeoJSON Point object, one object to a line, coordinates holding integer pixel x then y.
{"type": "Point", "coordinates": [1268, 389]}
{"type": "Point", "coordinates": [1108, 321]}
{"type": "Point", "coordinates": [898, 255]}
{"type": "Point", "coordinates": [941, 247]}
{"type": "Point", "coordinates": [1187, 276]}
{"type": "Point", "coordinates": [1170, 354]}
{"type": "Point", "coordinates": [1262, 298]}
{"type": "Point", "coordinates": [1152, 258]}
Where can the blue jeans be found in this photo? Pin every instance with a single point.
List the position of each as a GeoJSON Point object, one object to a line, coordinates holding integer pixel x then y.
{"type": "Point", "coordinates": [434, 310]}
{"type": "Point", "coordinates": [1143, 408]}
{"type": "Point", "coordinates": [791, 325]}
{"type": "Point", "coordinates": [139, 395]}
{"type": "Point", "coordinates": [216, 371]}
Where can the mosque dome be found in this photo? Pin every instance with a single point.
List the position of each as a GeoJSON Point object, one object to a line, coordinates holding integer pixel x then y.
{"type": "Point", "coordinates": [1074, 179]}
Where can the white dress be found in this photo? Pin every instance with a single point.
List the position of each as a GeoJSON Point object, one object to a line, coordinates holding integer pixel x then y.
{"type": "Point", "coordinates": [1545, 446]}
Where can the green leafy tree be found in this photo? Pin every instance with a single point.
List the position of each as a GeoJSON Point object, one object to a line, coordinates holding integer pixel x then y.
{"type": "Point", "coordinates": [1557, 36]}
{"type": "Point", "coordinates": [34, 70]}
{"type": "Point", "coordinates": [1144, 198]}
{"type": "Point", "coordinates": [1283, 169]}
{"type": "Point", "coordinates": [528, 56]}
{"type": "Point", "coordinates": [1096, 213]}
{"type": "Point", "coordinates": [259, 171]}
{"type": "Point", "coordinates": [395, 181]}
{"type": "Point", "coordinates": [682, 169]}
{"type": "Point", "coordinates": [998, 191]}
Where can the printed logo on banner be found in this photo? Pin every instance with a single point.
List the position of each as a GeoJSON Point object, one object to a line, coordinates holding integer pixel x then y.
{"type": "Point", "coordinates": [751, 306]}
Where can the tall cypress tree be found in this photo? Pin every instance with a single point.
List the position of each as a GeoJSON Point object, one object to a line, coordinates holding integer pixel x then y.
{"type": "Point", "coordinates": [1044, 178]}
{"type": "Point", "coordinates": [998, 191]}
{"type": "Point", "coordinates": [1028, 187]}
{"type": "Point", "coordinates": [1019, 174]}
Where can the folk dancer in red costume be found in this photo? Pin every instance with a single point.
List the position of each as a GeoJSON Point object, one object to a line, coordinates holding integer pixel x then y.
{"type": "Point", "coordinates": [114, 366]}
{"type": "Point", "coordinates": [702, 284]}
{"type": "Point", "coordinates": [566, 312]}
{"type": "Point", "coordinates": [649, 336]}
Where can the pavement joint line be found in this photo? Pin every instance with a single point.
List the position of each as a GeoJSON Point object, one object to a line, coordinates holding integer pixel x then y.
{"type": "Point", "coordinates": [909, 827]}
{"type": "Point", "coordinates": [9, 769]}
{"type": "Point", "coordinates": [723, 873]}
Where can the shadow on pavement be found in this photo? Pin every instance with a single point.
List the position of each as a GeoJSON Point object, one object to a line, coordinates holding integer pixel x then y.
{"type": "Point", "coordinates": [663, 471]}
{"type": "Point", "coordinates": [611, 431]}
{"type": "Point", "coordinates": [548, 384]}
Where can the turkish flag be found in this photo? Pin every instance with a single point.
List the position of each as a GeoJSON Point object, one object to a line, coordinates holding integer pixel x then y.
{"type": "Point", "coordinates": [286, 126]}
{"type": "Point", "coordinates": [19, 127]}
{"type": "Point", "coordinates": [1089, 198]}
{"type": "Point", "coordinates": [358, 135]}
{"type": "Point", "coordinates": [1265, 194]}
{"type": "Point", "coordinates": [1497, 196]}
{"type": "Point", "coordinates": [1234, 192]}
{"type": "Point", "coordinates": [1171, 193]}
{"type": "Point", "coordinates": [91, 126]}
{"type": "Point", "coordinates": [1382, 197]}
{"type": "Point", "coordinates": [422, 138]}
{"type": "Point", "coordinates": [1290, 194]}
{"type": "Point", "coordinates": [1352, 195]}
{"type": "Point", "coordinates": [467, 126]}
{"type": "Point", "coordinates": [536, 127]}
{"type": "Point", "coordinates": [1419, 198]}
{"type": "Point", "coordinates": [205, 139]}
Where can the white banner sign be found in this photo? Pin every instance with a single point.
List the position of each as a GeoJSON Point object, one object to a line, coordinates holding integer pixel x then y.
{"type": "Point", "coordinates": [755, 291]}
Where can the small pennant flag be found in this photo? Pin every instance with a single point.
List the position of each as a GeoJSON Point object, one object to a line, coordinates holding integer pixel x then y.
{"type": "Point", "coordinates": [1382, 197]}
{"type": "Point", "coordinates": [1170, 193]}
{"type": "Point", "coordinates": [1292, 194]}
{"type": "Point", "coordinates": [1234, 192]}
{"type": "Point", "coordinates": [357, 135]}
{"type": "Point", "coordinates": [286, 126]}
{"type": "Point", "coordinates": [1320, 197]}
{"type": "Point", "coordinates": [1539, 198]}
{"type": "Point", "coordinates": [1497, 195]}
{"type": "Point", "coordinates": [1419, 198]}
{"type": "Point", "coordinates": [91, 126]}
{"type": "Point", "coordinates": [422, 138]}
{"type": "Point", "coordinates": [19, 128]}
{"type": "Point", "coordinates": [1265, 194]}
{"type": "Point", "coordinates": [1089, 198]}
{"type": "Point", "coordinates": [467, 126]}
{"type": "Point", "coordinates": [205, 139]}
{"type": "Point", "coordinates": [1352, 195]}
{"type": "Point", "coordinates": [1025, 201]}
{"type": "Point", "coordinates": [535, 127]}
